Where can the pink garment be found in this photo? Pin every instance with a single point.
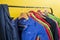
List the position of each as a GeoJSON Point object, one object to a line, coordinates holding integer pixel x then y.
{"type": "Point", "coordinates": [59, 33]}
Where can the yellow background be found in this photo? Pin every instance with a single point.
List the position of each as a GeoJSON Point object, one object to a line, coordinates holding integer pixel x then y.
{"type": "Point", "coordinates": [14, 12]}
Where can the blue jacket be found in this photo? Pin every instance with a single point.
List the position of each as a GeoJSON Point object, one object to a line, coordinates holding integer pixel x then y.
{"type": "Point", "coordinates": [7, 30]}
{"type": "Point", "coordinates": [32, 30]}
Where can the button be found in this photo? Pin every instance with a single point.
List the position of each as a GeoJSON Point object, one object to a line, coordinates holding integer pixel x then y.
{"type": "Point", "coordinates": [24, 20]}
{"type": "Point", "coordinates": [29, 32]}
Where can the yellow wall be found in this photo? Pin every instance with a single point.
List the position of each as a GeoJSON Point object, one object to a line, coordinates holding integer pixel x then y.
{"type": "Point", "coordinates": [14, 12]}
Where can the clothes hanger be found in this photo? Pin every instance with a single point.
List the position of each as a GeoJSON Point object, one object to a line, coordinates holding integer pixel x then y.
{"type": "Point", "coordinates": [24, 15]}
{"type": "Point", "coordinates": [46, 12]}
{"type": "Point", "coordinates": [40, 14]}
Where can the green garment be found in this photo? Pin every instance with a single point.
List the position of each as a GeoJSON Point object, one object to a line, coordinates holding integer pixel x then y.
{"type": "Point", "coordinates": [55, 18]}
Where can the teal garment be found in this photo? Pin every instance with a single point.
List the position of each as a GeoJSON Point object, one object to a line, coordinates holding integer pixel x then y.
{"type": "Point", "coordinates": [55, 18]}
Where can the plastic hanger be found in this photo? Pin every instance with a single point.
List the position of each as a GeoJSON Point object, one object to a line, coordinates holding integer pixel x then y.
{"type": "Point", "coordinates": [40, 14]}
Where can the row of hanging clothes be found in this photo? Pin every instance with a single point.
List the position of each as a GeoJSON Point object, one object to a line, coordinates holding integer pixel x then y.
{"type": "Point", "coordinates": [34, 25]}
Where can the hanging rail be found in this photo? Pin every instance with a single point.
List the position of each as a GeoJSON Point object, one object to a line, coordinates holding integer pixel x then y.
{"type": "Point", "coordinates": [31, 7]}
